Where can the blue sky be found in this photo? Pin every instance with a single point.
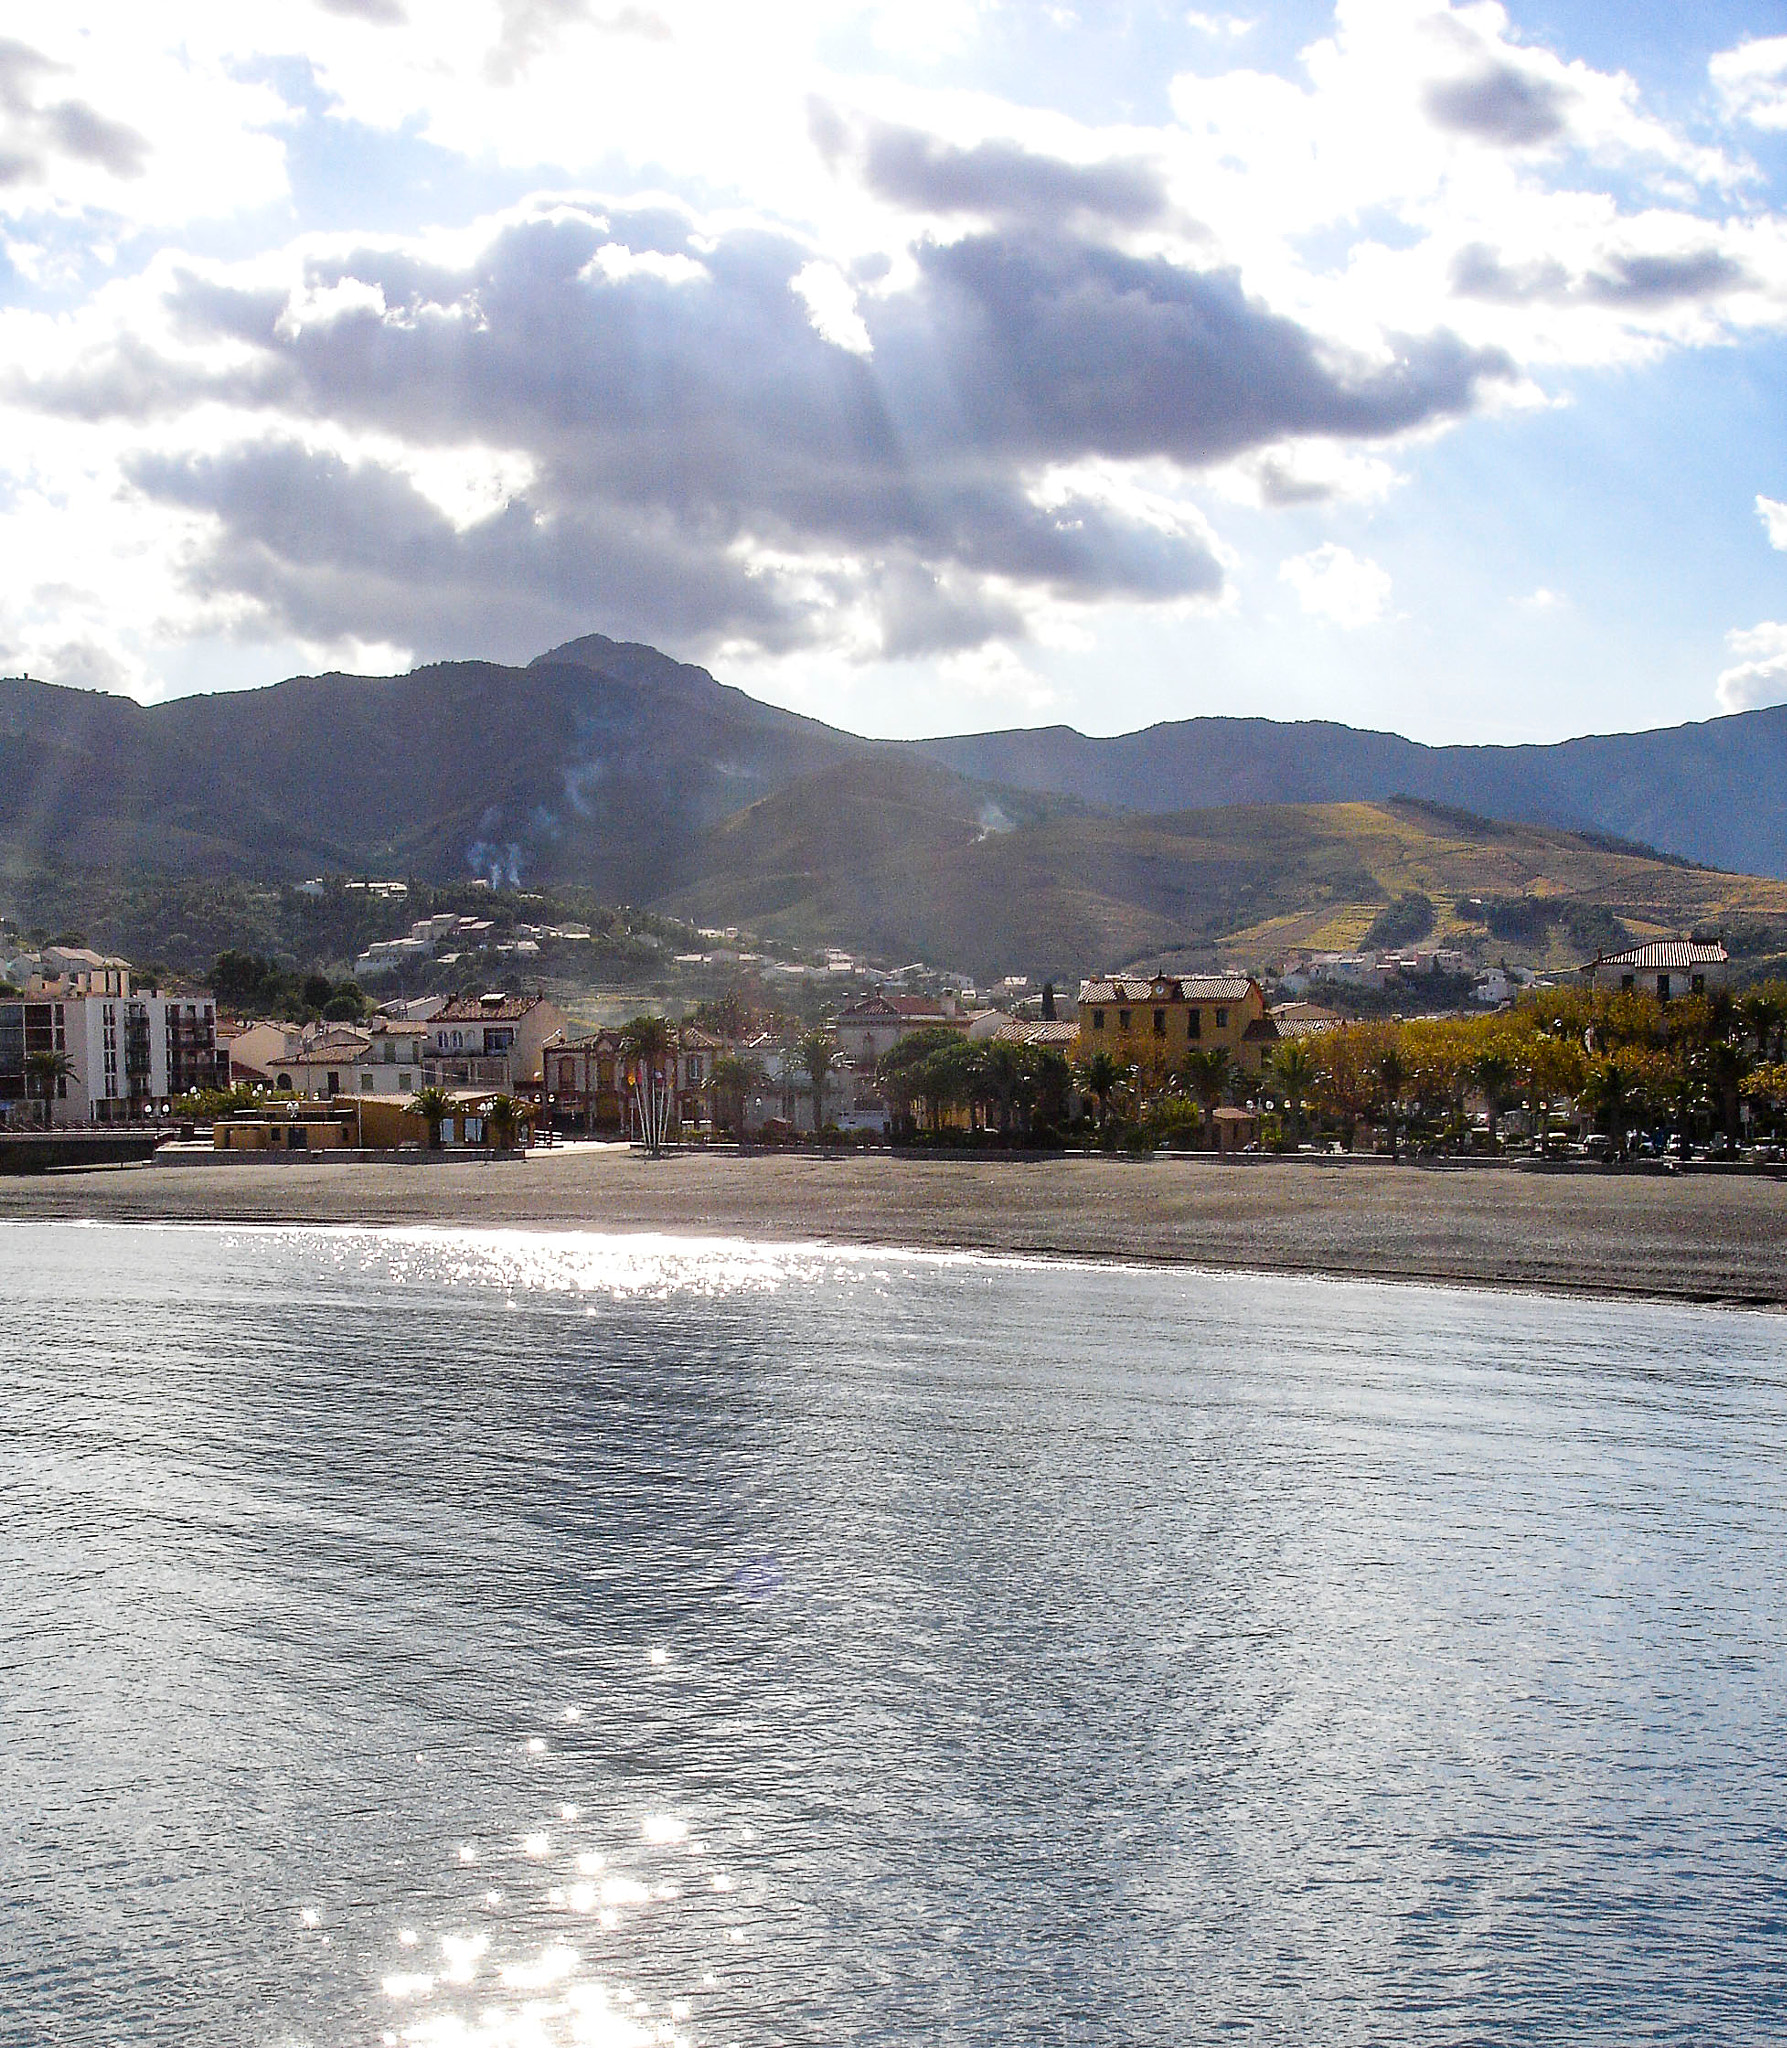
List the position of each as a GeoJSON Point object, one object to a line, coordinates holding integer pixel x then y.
{"type": "Point", "coordinates": [922, 364]}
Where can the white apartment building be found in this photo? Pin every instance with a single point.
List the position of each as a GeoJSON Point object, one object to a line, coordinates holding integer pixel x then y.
{"type": "Point", "coordinates": [129, 1055]}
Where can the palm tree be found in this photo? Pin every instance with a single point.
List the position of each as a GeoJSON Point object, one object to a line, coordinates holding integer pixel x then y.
{"type": "Point", "coordinates": [1610, 1088]}
{"type": "Point", "coordinates": [1205, 1071]}
{"type": "Point", "coordinates": [734, 1078]}
{"type": "Point", "coordinates": [48, 1070]}
{"type": "Point", "coordinates": [1007, 1067]}
{"type": "Point", "coordinates": [504, 1118]}
{"type": "Point", "coordinates": [1392, 1078]}
{"type": "Point", "coordinates": [646, 1045]}
{"type": "Point", "coordinates": [1294, 1066]}
{"type": "Point", "coordinates": [818, 1054]}
{"type": "Point", "coordinates": [434, 1106]}
{"type": "Point", "coordinates": [1494, 1076]}
{"type": "Point", "coordinates": [1100, 1077]}
{"type": "Point", "coordinates": [1765, 1014]}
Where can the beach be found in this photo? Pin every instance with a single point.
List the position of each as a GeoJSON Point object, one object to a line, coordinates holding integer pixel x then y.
{"type": "Point", "coordinates": [1696, 1237]}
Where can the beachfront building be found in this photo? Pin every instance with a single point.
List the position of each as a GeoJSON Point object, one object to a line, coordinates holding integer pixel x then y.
{"type": "Point", "coordinates": [1153, 1024]}
{"type": "Point", "coordinates": [1662, 968]}
{"type": "Point", "coordinates": [492, 1041]}
{"type": "Point", "coordinates": [351, 1059]}
{"type": "Point", "coordinates": [125, 1055]}
{"type": "Point", "coordinates": [586, 1088]}
{"type": "Point", "coordinates": [875, 1024]}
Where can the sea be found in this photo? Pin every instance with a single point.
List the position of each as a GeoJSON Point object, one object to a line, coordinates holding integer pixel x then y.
{"type": "Point", "coordinates": [457, 1636]}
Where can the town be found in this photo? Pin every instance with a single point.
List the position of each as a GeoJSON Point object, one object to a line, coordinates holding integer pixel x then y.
{"type": "Point", "coordinates": [1650, 1052]}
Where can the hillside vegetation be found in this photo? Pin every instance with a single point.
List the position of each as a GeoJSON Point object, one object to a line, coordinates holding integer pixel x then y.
{"type": "Point", "coordinates": [919, 863]}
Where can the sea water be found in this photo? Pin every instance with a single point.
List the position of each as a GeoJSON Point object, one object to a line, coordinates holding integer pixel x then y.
{"type": "Point", "coordinates": [453, 1637]}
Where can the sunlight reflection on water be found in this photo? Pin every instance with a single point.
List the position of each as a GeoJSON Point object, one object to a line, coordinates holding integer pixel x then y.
{"type": "Point", "coordinates": [510, 1638]}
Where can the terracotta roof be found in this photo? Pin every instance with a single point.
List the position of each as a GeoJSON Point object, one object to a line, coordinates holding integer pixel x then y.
{"type": "Point", "coordinates": [907, 1008]}
{"type": "Point", "coordinates": [1259, 1031]}
{"type": "Point", "coordinates": [1664, 953]}
{"type": "Point", "coordinates": [473, 1009]}
{"type": "Point", "coordinates": [1022, 1032]}
{"type": "Point", "coordinates": [1173, 988]}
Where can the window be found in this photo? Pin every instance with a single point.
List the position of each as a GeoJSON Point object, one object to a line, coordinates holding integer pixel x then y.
{"type": "Point", "coordinates": [1122, 1020]}
{"type": "Point", "coordinates": [1160, 1023]}
{"type": "Point", "coordinates": [1098, 1020]}
{"type": "Point", "coordinates": [1625, 984]}
{"type": "Point", "coordinates": [1194, 1023]}
{"type": "Point", "coordinates": [1662, 988]}
{"type": "Point", "coordinates": [1222, 1020]}
{"type": "Point", "coordinates": [1699, 984]}
{"type": "Point", "coordinates": [333, 1086]}
{"type": "Point", "coordinates": [365, 1084]}
{"type": "Point", "coordinates": [405, 1079]}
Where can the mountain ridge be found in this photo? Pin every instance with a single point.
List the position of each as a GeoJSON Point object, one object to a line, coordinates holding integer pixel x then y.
{"type": "Point", "coordinates": [615, 768]}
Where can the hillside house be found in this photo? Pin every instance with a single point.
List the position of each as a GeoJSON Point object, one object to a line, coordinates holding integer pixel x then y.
{"type": "Point", "coordinates": [1662, 968]}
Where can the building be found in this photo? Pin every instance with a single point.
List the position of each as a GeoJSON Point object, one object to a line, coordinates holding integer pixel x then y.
{"type": "Point", "coordinates": [586, 1088]}
{"type": "Point", "coordinates": [77, 970]}
{"type": "Point", "coordinates": [1154, 1024]}
{"type": "Point", "coordinates": [872, 1025]}
{"type": "Point", "coordinates": [492, 1040]}
{"type": "Point", "coordinates": [1663, 968]}
{"type": "Point", "coordinates": [348, 1059]}
{"type": "Point", "coordinates": [129, 1055]}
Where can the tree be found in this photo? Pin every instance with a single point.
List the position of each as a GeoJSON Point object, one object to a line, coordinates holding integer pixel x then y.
{"type": "Point", "coordinates": [1766, 1015]}
{"type": "Point", "coordinates": [1611, 1089]}
{"type": "Point", "coordinates": [434, 1106]}
{"type": "Point", "coordinates": [1007, 1068]}
{"type": "Point", "coordinates": [1293, 1066]}
{"type": "Point", "coordinates": [1392, 1077]}
{"type": "Point", "coordinates": [49, 1070]}
{"type": "Point", "coordinates": [818, 1054]}
{"type": "Point", "coordinates": [647, 1047]}
{"type": "Point", "coordinates": [504, 1116]}
{"type": "Point", "coordinates": [1205, 1071]}
{"type": "Point", "coordinates": [908, 1072]}
{"type": "Point", "coordinates": [1099, 1076]}
{"type": "Point", "coordinates": [733, 1078]}
{"type": "Point", "coordinates": [1493, 1073]}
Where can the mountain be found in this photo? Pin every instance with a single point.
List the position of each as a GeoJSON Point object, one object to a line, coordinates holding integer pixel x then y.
{"type": "Point", "coordinates": [599, 762]}
{"type": "Point", "coordinates": [612, 767]}
{"type": "Point", "coordinates": [903, 858]}
{"type": "Point", "coordinates": [1713, 792]}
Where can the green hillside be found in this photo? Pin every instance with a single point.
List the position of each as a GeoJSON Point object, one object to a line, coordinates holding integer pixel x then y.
{"type": "Point", "coordinates": [909, 862]}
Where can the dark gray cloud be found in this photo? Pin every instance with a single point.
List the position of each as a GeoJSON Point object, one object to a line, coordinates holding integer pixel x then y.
{"type": "Point", "coordinates": [1058, 347]}
{"type": "Point", "coordinates": [681, 429]}
{"type": "Point", "coordinates": [1641, 283]}
{"type": "Point", "coordinates": [1500, 104]}
{"type": "Point", "coordinates": [33, 135]}
{"type": "Point", "coordinates": [1003, 181]}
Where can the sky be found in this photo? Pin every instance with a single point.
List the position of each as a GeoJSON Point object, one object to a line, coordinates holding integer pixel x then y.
{"type": "Point", "coordinates": [924, 365]}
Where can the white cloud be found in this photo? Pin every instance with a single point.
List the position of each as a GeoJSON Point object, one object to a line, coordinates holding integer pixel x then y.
{"type": "Point", "coordinates": [1540, 600]}
{"type": "Point", "coordinates": [1227, 26]}
{"type": "Point", "coordinates": [1761, 677]}
{"type": "Point", "coordinates": [830, 300]}
{"type": "Point", "coordinates": [1332, 582]}
{"type": "Point", "coordinates": [1773, 514]}
{"type": "Point", "coordinates": [1751, 81]}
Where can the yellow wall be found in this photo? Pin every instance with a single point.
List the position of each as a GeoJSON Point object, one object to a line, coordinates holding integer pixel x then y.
{"type": "Point", "coordinates": [1141, 1045]}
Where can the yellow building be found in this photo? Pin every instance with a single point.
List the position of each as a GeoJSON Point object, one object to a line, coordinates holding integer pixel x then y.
{"type": "Point", "coordinates": [1154, 1024]}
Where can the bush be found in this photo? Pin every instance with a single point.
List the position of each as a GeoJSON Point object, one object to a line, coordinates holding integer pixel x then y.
{"type": "Point", "coordinates": [1402, 923]}
{"type": "Point", "coordinates": [1178, 1124]}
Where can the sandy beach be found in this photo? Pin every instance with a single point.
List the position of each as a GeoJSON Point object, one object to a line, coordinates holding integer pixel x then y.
{"type": "Point", "coordinates": [1692, 1238]}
